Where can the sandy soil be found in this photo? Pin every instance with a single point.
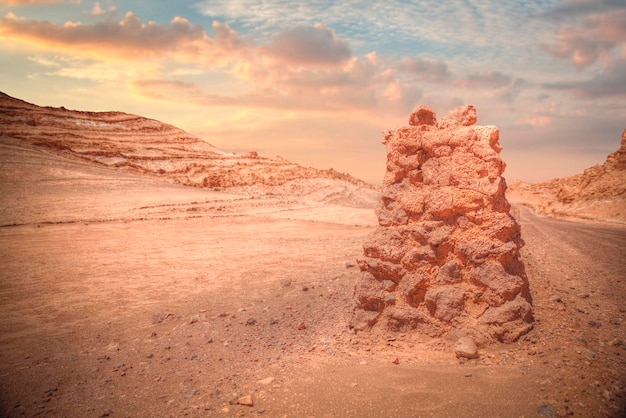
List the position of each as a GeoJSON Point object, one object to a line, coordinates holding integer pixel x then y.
{"type": "Point", "coordinates": [122, 296]}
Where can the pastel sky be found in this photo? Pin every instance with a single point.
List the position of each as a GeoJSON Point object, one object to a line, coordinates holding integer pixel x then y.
{"type": "Point", "coordinates": [317, 81]}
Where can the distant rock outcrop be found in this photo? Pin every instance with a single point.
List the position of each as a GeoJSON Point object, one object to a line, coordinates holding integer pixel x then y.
{"type": "Point", "coordinates": [445, 257]}
{"type": "Point", "coordinates": [151, 148]}
{"type": "Point", "coordinates": [599, 193]}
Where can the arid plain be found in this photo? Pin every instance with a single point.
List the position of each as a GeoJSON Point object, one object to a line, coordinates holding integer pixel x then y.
{"type": "Point", "coordinates": [127, 295]}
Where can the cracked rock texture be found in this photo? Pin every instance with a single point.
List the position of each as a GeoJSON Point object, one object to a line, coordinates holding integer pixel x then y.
{"type": "Point", "coordinates": [444, 259]}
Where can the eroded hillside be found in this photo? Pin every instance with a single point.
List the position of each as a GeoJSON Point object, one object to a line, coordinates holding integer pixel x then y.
{"type": "Point", "coordinates": [148, 147]}
{"type": "Point", "coordinates": [599, 193]}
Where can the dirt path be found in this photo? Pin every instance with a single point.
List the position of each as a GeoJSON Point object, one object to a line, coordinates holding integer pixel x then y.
{"type": "Point", "coordinates": [188, 305]}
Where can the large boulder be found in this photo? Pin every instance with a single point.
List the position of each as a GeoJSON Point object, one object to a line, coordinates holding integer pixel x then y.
{"type": "Point", "coordinates": [445, 256]}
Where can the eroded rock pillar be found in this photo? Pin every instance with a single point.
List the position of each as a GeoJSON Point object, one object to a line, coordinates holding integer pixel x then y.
{"type": "Point", "coordinates": [445, 256]}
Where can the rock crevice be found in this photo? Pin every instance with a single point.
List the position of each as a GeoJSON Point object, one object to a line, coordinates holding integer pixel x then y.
{"type": "Point", "coordinates": [445, 256]}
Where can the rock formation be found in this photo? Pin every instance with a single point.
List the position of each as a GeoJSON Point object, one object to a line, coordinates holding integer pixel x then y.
{"type": "Point", "coordinates": [151, 148]}
{"type": "Point", "coordinates": [445, 256]}
{"type": "Point", "coordinates": [599, 193]}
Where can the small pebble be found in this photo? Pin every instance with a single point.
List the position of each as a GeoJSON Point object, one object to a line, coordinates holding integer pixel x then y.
{"type": "Point", "coordinates": [246, 400]}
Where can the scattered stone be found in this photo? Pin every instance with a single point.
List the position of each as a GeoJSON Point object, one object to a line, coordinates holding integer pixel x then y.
{"type": "Point", "coordinates": [251, 321]}
{"type": "Point", "coordinates": [113, 347]}
{"type": "Point", "coordinates": [546, 410]}
{"type": "Point", "coordinates": [580, 340]}
{"type": "Point", "coordinates": [615, 342]}
{"type": "Point", "coordinates": [301, 326]}
{"type": "Point", "coordinates": [563, 412]}
{"type": "Point", "coordinates": [589, 354]}
{"type": "Point", "coordinates": [394, 360]}
{"type": "Point", "coordinates": [350, 264]}
{"type": "Point", "coordinates": [245, 400]}
{"type": "Point", "coordinates": [304, 288]}
{"type": "Point", "coordinates": [465, 347]}
{"type": "Point", "coordinates": [555, 298]}
{"type": "Point", "coordinates": [285, 283]}
{"type": "Point", "coordinates": [160, 317]}
{"type": "Point", "coordinates": [273, 321]}
{"type": "Point", "coordinates": [594, 324]}
{"type": "Point", "coordinates": [50, 391]}
{"type": "Point", "coordinates": [446, 248]}
{"type": "Point", "coordinates": [266, 381]}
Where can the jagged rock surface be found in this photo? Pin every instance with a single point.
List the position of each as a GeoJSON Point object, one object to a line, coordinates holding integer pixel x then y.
{"type": "Point", "coordinates": [599, 193]}
{"type": "Point", "coordinates": [151, 148]}
{"type": "Point", "coordinates": [445, 257]}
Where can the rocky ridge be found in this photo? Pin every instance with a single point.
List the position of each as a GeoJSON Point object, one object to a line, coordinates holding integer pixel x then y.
{"type": "Point", "coordinates": [445, 257]}
{"type": "Point", "coordinates": [599, 193]}
{"type": "Point", "coordinates": [151, 148]}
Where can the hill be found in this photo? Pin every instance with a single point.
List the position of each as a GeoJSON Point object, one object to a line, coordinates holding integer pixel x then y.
{"type": "Point", "coordinates": [147, 147]}
{"type": "Point", "coordinates": [599, 193]}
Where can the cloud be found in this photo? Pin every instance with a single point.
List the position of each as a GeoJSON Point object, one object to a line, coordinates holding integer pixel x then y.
{"type": "Point", "coordinates": [513, 91]}
{"type": "Point", "coordinates": [594, 38]}
{"type": "Point", "coordinates": [609, 83]}
{"type": "Point", "coordinates": [43, 61]}
{"type": "Point", "coordinates": [127, 38]}
{"type": "Point", "coordinates": [486, 79]}
{"type": "Point", "coordinates": [97, 11]}
{"type": "Point", "coordinates": [92, 70]}
{"type": "Point", "coordinates": [302, 68]}
{"type": "Point", "coordinates": [538, 121]}
{"type": "Point", "coordinates": [158, 89]}
{"type": "Point", "coordinates": [425, 68]}
{"type": "Point", "coordinates": [184, 92]}
{"type": "Point", "coordinates": [310, 45]}
{"type": "Point", "coordinates": [22, 2]}
{"type": "Point", "coordinates": [575, 8]}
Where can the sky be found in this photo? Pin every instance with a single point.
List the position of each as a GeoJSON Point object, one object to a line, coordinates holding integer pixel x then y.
{"type": "Point", "coordinates": [318, 81]}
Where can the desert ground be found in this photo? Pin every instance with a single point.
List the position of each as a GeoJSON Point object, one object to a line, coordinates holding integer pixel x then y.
{"type": "Point", "coordinates": [125, 296]}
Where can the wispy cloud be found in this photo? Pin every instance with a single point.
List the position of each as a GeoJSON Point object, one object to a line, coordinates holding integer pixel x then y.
{"type": "Point", "coordinates": [310, 45]}
{"type": "Point", "coordinates": [25, 2]}
{"type": "Point", "coordinates": [609, 83]}
{"type": "Point", "coordinates": [127, 37]}
{"type": "Point", "coordinates": [487, 79]}
{"type": "Point", "coordinates": [575, 8]}
{"type": "Point", "coordinates": [302, 67]}
{"type": "Point", "coordinates": [425, 68]}
{"type": "Point", "coordinates": [596, 37]}
{"type": "Point", "coordinates": [425, 24]}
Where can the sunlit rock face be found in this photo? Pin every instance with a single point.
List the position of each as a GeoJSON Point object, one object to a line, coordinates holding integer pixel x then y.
{"type": "Point", "coordinates": [445, 256]}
